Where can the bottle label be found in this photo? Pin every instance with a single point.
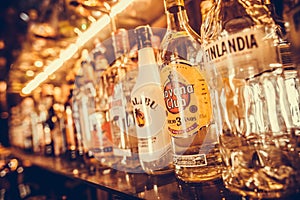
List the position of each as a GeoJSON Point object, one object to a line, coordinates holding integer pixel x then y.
{"type": "Point", "coordinates": [243, 54]}
{"type": "Point", "coordinates": [197, 160]}
{"type": "Point", "coordinates": [100, 135]}
{"type": "Point", "coordinates": [150, 118]}
{"type": "Point", "coordinates": [187, 99]}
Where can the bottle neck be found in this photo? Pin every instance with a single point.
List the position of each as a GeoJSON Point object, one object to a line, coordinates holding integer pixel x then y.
{"type": "Point", "coordinates": [177, 18]}
{"type": "Point", "coordinates": [146, 56]}
{"type": "Point", "coordinates": [238, 15]}
{"type": "Point", "coordinates": [120, 44]}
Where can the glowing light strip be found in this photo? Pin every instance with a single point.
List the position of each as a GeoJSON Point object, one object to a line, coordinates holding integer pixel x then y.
{"type": "Point", "coordinates": [69, 52]}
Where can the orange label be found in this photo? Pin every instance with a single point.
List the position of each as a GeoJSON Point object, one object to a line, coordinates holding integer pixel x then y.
{"type": "Point", "coordinates": [187, 99]}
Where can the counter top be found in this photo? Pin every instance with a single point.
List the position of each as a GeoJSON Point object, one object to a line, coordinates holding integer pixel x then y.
{"type": "Point", "coordinates": [130, 185]}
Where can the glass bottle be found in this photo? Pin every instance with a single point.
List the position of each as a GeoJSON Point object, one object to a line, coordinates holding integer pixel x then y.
{"type": "Point", "coordinates": [71, 146]}
{"type": "Point", "coordinates": [27, 111]}
{"type": "Point", "coordinates": [77, 127]}
{"type": "Point", "coordinates": [48, 124]}
{"type": "Point", "coordinates": [81, 120]}
{"type": "Point", "coordinates": [121, 79]}
{"type": "Point", "coordinates": [254, 109]}
{"type": "Point", "coordinates": [96, 130]}
{"type": "Point", "coordinates": [291, 59]}
{"type": "Point", "coordinates": [188, 99]}
{"type": "Point", "coordinates": [154, 142]}
{"type": "Point", "coordinates": [292, 16]}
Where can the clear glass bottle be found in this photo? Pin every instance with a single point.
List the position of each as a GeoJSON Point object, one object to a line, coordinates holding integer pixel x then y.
{"type": "Point", "coordinates": [121, 78]}
{"type": "Point", "coordinates": [254, 107]}
{"type": "Point", "coordinates": [188, 99]}
{"type": "Point", "coordinates": [71, 153]}
{"type": "Point", "coordinates": [154, 142]}
{"type": "Point", "coordinates": [97, 134]}
{"type": "Point", "coordinates": [292, 16]}
{"type": "Point", "coordinates": [81, 120]}
{"type": "Point", "coordinates": [78, 130]}
{"type": "Point", "coordinates": [289, 51]}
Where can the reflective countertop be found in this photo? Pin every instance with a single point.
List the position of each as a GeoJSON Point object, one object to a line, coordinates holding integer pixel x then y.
{"type": "Point", "coordinates": [130, 185]}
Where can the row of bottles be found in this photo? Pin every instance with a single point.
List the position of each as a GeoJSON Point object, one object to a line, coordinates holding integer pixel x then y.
{"type": "Point", "coordinates": [43, 124]}
{"type": "Point", "coordinates": [172, 109]}
{"type": "Point", "coordinates": [126, 135]}
{"type": "Point", "coordinates": [157, 114]}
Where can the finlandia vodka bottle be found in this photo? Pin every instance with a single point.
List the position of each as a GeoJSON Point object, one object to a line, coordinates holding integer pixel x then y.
{"type": "Point", "coordinates": [154, 142]}
{"type": "Point", "coordinates": [188, 99]}
{"type": "Point", "coordinates": [121, 77]}
{"type": "Point", "coordinates": [254, 105]}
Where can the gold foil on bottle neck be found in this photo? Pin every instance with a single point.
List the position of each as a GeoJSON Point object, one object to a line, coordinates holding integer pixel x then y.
{"type": "Point", "coordinates": [171, 3]}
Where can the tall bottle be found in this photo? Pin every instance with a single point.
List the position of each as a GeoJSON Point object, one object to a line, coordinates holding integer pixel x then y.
{"type": "Point", "coordinates": [292, 73]}
{"type": "Point", "coordinates": [121, 78]}
{"type": "Point", "coordinates": [70, 131]}
{"type": "Point", "coordinates": [154, 142]}
{"type": "Point", "coordinates": [188, 99]}
{"type": "Point", "coordinates": [292, 17]}
{"type": "Point", "coordinates": [81, 120]}
{"type": "Point", "coordinates": [95, 134]}
{"type": "Point", "coordinates": [254, 104]}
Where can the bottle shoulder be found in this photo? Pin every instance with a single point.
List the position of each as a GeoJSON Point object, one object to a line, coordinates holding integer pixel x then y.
{"type": "Point", "coordinates": [180, 46]}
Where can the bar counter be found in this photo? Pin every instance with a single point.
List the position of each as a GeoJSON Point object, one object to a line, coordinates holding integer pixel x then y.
{"type": "Point", "coordinates": [123, 185]}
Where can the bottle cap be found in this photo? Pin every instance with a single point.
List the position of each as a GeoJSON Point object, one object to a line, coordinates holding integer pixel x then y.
{"type": "Point", "coordinates": [143, 35]}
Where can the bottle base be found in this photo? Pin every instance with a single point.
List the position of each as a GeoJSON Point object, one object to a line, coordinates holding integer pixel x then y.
{"type": "Point", "coordinates": [152, 170]}
{"type": "Point", "coordinates": [198, 174]}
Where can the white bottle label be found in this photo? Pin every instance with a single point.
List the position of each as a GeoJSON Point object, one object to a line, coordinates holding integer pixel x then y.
{"type": "Point", "coordinates": [150, 117]}
{"type": "Point", "coordinates": [243, 54]}
{"type": "Point", "coordinates": [197, 160]}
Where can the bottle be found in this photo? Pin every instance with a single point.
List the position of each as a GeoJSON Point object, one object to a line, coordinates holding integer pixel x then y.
{"type": "Point", "coordinates": [81, 120]}
{"type": "Point", "coordinates": [48, 124]}
{"type": "Point", "coordinates": [286, 58]}
{"type": "Point", "coordinates": [121, 78]}
{"type": "Point", "coordinates": [254, 109]}
{"type": "Point", "coordinates": [28, 109]}
{"type": "Point", "coordinates": [154, 142]}
{"type": "Point", "coordinates": [71, 150]}
{"type": "Point", "coordinates": [99, 60]}
{"type": "Point", "coordinates": [292, 16]}
{"type": "Point", "coordinates": [189, 102]}
{"type": "Point", "coordinates": [77, 127]}
{"type": "Point", "coordinates": [96, 132]}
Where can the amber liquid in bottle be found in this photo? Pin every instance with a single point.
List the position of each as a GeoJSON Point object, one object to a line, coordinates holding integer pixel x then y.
{"type": "Point", "coordinates": [188, 100]}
